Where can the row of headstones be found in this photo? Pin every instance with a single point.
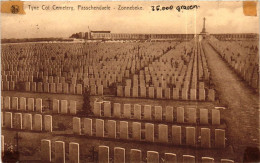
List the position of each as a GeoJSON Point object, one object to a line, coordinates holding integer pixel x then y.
{"type": "Point", "coordinates": [151, 157]}
{"type": "Point", "coordinates": [164, 82]}
{"type": "Point", "coordinates": [167, 93]}
{"type": "Point", "coordinates": [156, 114]}
{"type": "Point", "coordinates": [87, 79]}
{"type": "Point", "coordinates": [53, 88]}
{"type": "Point", "coordinates": [26, 121]}
{"type": "Point", "coordinates": [31, 104]}
{"type": "Point", "coordinates": [112, 126]}
{"type": "Point", "coordinates": [246, 72]}
{"type": "Point", "coordinates": [21, 104]}
{"type": "Point", "coordinates": [62, 106]}
{"type": "Point", "coordinates": [119, 154]}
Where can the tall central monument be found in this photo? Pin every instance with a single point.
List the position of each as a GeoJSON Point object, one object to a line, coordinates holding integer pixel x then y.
{"type": "Point", "coordinates": [204, 29]}
{"type": "Point", "coordinates": [203, 33]}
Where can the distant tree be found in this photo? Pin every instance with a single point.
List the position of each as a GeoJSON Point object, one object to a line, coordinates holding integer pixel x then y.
{"type": "Point", "coordinates": [86, 107]}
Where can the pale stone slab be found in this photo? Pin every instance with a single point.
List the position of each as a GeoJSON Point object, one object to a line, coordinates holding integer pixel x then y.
{"type": "Point", "coordinates": [59, 152]}
{"type": "Point", "coordinates": [192, 115]}
{"type": "Point", "coordinates": [117, 110]}
{"type": "Point", "coordinates": [27, 121]}
{"type": "Point", "coordinates": [48, 123]}
{"type": "Point", "coordinates": [207, 160]}
{"type": "Point", "coordinates": [152, 157]}
{"type": "Point", "coordinates": [63, 106]}
{"type": "Point", "coordinates": [76, 125]}
{"type": "Point", "coordinates": [46, 150]}
{"type": "Point", "coordinates": [111, 128]}
{"type": "Point", "coordinates": [123, 130]}
{"type": "Point", "coordinates": [119, 155]}
{"type": "Point", "coordinates": [176, 135]}
{"type": "Point", "coordinates": [158, 113]}
{"type": "Point", "coordinates": [38, 122]}
{"type": "Point", "coordinates": [147, 112]}
{"type": "Point", "coordinates": [190, 136]}
{"type": "Point", "coordinates": [163, 133]}
{"type": "Point", "coordinates": [136, 130]}
{"type": "Point", "coordinates": [107, 109]}
{"type": "Point", "coordinates": [180, 114]}
{"type": "Point", "coordinates": [137, 111]}
{"type": "Point", "coordinates": [8, 120]}
{"type": "Point", "coordinates": [135, 156]}
{"type": "Point", "coordinates": [219, 138]}
{"type": "Point", "coordinates": [74, 152]}
{"type": "Point", "coordinates": [30, 104]}
{"type": "Point", "coordinates": [205, 137]}
{"type": "Point", "coordinates": [39, 105]}
{"type": "Point", "coordinates": [127, 111]}
{"type": "Point", "coordinates": [99, 128]}
{"type": "Point", "coordinates": [204, 119]}
{"type": "Point", "coordinates": [169, 114]}
{"type": "Point", "coordinates": [170, 158]}
{"type": "Point", "coordinates": [88, 126]}
{"type": "Point", "coordinates": [149, 132]}
{"type": "Point", "coordinates": [103, 154]}
{"type": "Point", "coordinates": [188, 158]}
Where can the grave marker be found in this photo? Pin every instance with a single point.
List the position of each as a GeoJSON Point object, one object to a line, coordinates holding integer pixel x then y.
{"type": "Point", "coordinates": [88, 126]}
{"type": "Point", "coordinates": [76, 125]}
{"type": "Point", "coordinates": [59, 152]}
{"type": "Point", "coordinates": [74, 152]}
{"type": "Point", "coordinates": [123, 130]}
{"type": "Point", "coordinates": [163, 133]}
{"type": "Point", "coordinates": [18, 123]}
{"type": "Point", "coordinates": [149, 132]}
{"type": "Point", "coordinates": [107, 109]}
{"type": "Point", "coordinates": [38, 122]}
{"type": "Point", "coordinates": [180, 114]}
{"type": "Point", "coordinates": [99, 128]}
{"type": "Point", "coordinates": [219, 138]}
{"type": "Point", "coordinates": [103, 154]}
{"type": "Point", "coordinates": [169, 114]}
{"type": "Point", "coordinates": [8, 120]}
{"type": "Point", "coordinates": [119, 155]}
{"type": "Point", "coordinates": [137, 111]}
{"type": "Point", "coordinates": [111, 128]}
{"type": "Point", "coordinates": [30, 104]}
{"type": "Point", "coordinates": [48, 123]}
{"type": "Point", "coordinates": [135, 156]}
{"type": "Point", "coordinates": [23, 103]}
{"type": "Point", "coordinates": [39, 105]}
{"type": "Point", "coordinates": [170, 158]}
{"type": "Point", "coordinates": [45, 150]}
{"type": "Point", "coordinates": [14, 103]}
{"type": "Point", "coordinates": [117, 110]}
{"type": "Point", "coordinates": [64, 106]}
{"type": "Point", "coordinates": [188, 158]}
{"type": "Point", "coordinates": [152, 157]}
{"type": "Point", "coordinates": [205, 137]}
{"type": "Point", "coordinates": [190, 136]}
{"type": "Point", "coordinates": [147, 112]}
{"type": "Point", "coordinates": [192, 115]}
{"type": "Point", "coordinates": [204, 116]}
{"type": "Point", "coordinates": [127, 111]}
{"type": "Point", "coordinates": [136, 130]}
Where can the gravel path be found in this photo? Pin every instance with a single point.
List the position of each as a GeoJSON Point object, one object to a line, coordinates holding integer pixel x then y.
{"type": "Point", "coordinates": [242, 115]}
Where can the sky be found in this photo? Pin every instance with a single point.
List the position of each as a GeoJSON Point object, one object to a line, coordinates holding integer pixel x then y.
{"type": "Point", "coordinates": [221, 17]}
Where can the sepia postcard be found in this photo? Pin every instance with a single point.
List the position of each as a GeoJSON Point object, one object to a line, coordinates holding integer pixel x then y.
{"type": "Point", "coordinates": [130, 81]}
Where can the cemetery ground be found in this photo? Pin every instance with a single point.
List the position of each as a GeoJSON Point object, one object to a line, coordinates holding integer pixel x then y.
{"type": "Point", "coordinates": [181, 75]}
{"type": "Point", "coordinates": [30, 142]}
{"type": "Point", "coordinates": [242, 103]}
